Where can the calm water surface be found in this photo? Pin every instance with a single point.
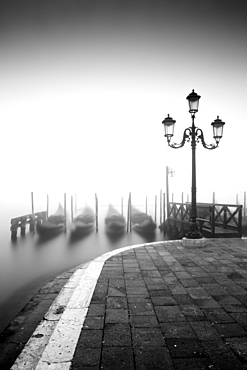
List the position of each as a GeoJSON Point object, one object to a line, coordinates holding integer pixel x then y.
{"type": "Point", "coordinates": [29, 263]}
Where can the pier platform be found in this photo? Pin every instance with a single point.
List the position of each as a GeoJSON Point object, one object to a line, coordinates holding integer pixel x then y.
{"type": "Point", "coordinates": [152, 306]}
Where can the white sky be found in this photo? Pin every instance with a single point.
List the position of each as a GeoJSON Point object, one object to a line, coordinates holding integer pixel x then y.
{"type": "Point", "coordinates": [82, 99]}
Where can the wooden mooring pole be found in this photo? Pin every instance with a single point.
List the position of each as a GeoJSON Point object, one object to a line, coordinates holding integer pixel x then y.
{"type": "Point", "coordinates": [47, 205]}
{"type": "Point", "coordinates": [155, 209]}
{"type": "Point", "coordinates": [160, 207]}
{"type": "Point", "coordinates": [65, 214]}
{"type": "Point", "coordinates": [244, 205]}
{"type": "Point", "coordinates": [32, 219]}
{"type": "Point", "coordinates": [96, 212]}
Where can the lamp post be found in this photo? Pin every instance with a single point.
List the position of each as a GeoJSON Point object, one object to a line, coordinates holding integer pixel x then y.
{"type": "Point", "coordinates": [194, 135]}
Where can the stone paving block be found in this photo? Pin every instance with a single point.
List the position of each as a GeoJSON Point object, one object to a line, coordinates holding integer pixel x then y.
{"type": "Point", "coordinates": [141, 308]}
{"type": "Point", "coordinates": [218, 315]}
{"type": "Point", "coordinates": [164, 301]}
{"type": "Point", "coordinates": [116, 302]}
{"type": "Point", "coordinates": [222, 355]}
{"type": "Point", "coordinates": [90, 338]}
{"type": "Point", "coordinates": [177, 330]}
{"type": "Point", "coordinates": [132, 275]}
{"type": "Point", "coordinates": [189, 283]}
{"type": "Point", "coordinates": [198, 293]}
{"type": "Point", "coordinates": [193, 313]}
{"type": "Point", "coordinates": [116, 316]}
{"type": "Point", "coordinates": [178, 289]}
{"type": "Point", "coordinates": [120, 358]}
{"type": "Point", "coordinates": [96, 309]}
{"type": "Point", "coordinates": [184, 348]}
{"type": "Point", "coordinates": [94, 322]}
{"type": "Point", "coordinates": [116, 292]}
{"type": "Point", "coordinates": [183, 299]}
{"type": "Point", "coordinates": [204, 280]}
{"type": "Point", "coordinates": [235, 308]}
{"type": "Point", "coordinates": [204, 330]}
{"type": "Point", "coordinates": [134, 290]}
{"type": "Point", "coordinates": [207, 303]}
{"type": "Point", "coordinates": [155, 358]}
{"type": "Point", "coordinates": [215, 289]}
{"type": "Point", "coordinates": [241, 318]}
{"type": "Point", "coordinates": [158, 292]}
{"type": "Point", "coordinates": [169, 313]}
{"type": "Point", "coordinates": [193, 364]}
{"type": "Point", "coordinates": [231, 330]}
{"type": "Point", "coordinates": [86, 357]}
{"type": "Point", "coordinates": [239, 346]}
{"type": "Point", "coordinates": [116, 283]}
{"type": "Point", "coordinates": [150, 337]}
{"type": "Point", "coordinates": [117, 335]}
{"type": "Point", "coordinates": [228, 300]}
{"type": "Point", "coordinates": [143, 321]}
{"type": "Point", "coordinates": [135, 298]}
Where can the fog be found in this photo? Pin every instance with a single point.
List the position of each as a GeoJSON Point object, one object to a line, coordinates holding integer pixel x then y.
{"type": "Point", "coordinates": [85, 87]}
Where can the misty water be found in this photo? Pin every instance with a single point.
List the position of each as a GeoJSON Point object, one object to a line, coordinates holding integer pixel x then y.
{"type": "Point", "coordinates": [29, 263]}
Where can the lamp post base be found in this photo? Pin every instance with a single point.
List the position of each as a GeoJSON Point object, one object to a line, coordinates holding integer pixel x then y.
{"type": "Point", "coordinates": [194, 232]}
{"type": "Point", "coordinates": [195, 243]}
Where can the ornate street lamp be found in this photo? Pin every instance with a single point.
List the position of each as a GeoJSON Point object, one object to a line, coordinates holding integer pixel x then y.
{"type": "Point", "coordinates": [195, 135]}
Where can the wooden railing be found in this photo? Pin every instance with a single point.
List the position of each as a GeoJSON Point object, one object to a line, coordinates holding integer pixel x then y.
{"type": "Point", "coordinates": [214, 219]}
{"type": "Point", "coordinates": [22, 221]}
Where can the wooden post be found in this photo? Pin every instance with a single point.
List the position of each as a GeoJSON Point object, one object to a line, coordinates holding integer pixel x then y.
{"type": "Point", "coordinates": [13, 229]}
{"type": "Point", "coordinates": [72, 215]}
{"type": "Point", "coordinates": [32, 203]}
{"type": "Point", "coordinates": [244, 205]}
{"type": "Point", "coordinates": [182, 197]}
{"type": "Point", "coordinates": [146, 204]}
{"type": "Point", "coordinates": [96, 211]}
{"type": "Point", "coordinates": [32, 223]}
{"type": "Point", "coordinates": [237, 199]}
{"type": "Point", "coordinates": [130, 229]}
{"type": "Point", "coordinates": [155, 209]}
{"type": "Point", "coordinates": [213, 197]}
{"type": "Point", "coordinates": [128, 213]}
{"type": "Point", "coordinates": [47, 205]}
{"type": "Point", "coordinates": [65, 214]}
{"type": "Point", "coordinates": [212, 220]}
{"type": "Point", "coordinates": [188, 198]}
{"type": "Point", "coordinates": [160, 207]}
{"type": "Point", "coordinates": [167, 194]}
{"type": "Point", "coordinates": [122, 205]}
{"type": "Point", "coordinates": [164, 209]}
{"type": "Point", "coordinates": [240, 222]}
{"type": "Point", "coordinates": [172, 198]}
{"type": "Point", "coordinates": [23, 226]}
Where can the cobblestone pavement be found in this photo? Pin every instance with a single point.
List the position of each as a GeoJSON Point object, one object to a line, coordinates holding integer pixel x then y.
{"type": "Point", "coordinates": [164, 306]}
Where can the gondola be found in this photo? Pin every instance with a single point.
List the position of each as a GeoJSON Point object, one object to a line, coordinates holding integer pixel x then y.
{"type": "Point", "coordinates": [54, 224]}
{"type": "Point", "coordinates": [141, 222]}
{"type": "Point", "coordinates": [83, 224]}
{"type": "Point", "coordinates": [115, 223]}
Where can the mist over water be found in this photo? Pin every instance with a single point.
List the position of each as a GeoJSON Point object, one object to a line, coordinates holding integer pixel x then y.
{"type": "Point", "coordinates": [29, 262]}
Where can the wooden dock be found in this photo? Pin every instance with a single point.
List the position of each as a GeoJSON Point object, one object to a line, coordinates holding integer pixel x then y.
{"type": "Point", "coordinates": [22, 221]}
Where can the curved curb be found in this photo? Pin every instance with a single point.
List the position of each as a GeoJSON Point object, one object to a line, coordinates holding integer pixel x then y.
{"type": "Point", "coordinates": [53, 342]}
